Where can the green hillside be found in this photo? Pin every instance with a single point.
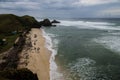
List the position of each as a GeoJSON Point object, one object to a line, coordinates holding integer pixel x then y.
{"type": "Point", "coordinates": [11, 27]}
{"type": "Point", "coordinates": [29, 21]}
{"type": "Point", "coordinates": [10, 22]}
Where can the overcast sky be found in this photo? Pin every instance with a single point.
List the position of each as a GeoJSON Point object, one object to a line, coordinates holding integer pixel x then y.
{"type": "Point", "coordinates": [62, 8]}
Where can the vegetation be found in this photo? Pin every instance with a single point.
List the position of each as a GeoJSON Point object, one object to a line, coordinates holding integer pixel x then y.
{"type": "Point", "coordinates": [20, 74]}
{"type": "Point", "coordinates": [29, 21]}
{"type": "Point", "coordinates": [10, 22]}
{"type": "Point", "coordinates": [10, 41]}
{"type": "Point", "coordinates": [10, 27]}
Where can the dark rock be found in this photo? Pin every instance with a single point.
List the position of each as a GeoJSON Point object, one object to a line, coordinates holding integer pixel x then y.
{"type": "Point", "coordinates": [55, 21]}
{"type": "Point", "coordinates": [45, 22]}
{"type": "Point", "coordinates": [54, 25]}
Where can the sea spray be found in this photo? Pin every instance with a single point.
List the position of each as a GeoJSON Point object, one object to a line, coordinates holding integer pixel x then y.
{"type": "Point", "coordinates": [52, 46]}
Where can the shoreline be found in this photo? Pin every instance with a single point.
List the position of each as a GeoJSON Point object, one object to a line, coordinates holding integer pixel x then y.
{"type": "Point", "coordinates": [35, 56]}
{"type": "Point", "coordinates": [55, 74]}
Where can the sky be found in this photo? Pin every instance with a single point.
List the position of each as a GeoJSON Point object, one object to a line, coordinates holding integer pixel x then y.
{"type": "Point", "coordinates": [62, 8]}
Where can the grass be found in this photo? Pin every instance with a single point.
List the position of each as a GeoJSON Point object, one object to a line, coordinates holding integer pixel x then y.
{"type": "Point", "coordinates": [10, 41]}
{"type": "Point", "coordinates": [10, 23]}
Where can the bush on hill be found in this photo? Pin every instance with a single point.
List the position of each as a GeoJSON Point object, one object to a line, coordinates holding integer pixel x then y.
{"type": "Point", "coordinates": [20, 74]}
{"type": "Point", "coordinates": [10, 22]}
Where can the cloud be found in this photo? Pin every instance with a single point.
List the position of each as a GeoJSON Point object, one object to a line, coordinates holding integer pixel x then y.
{"type": "Point", "coordinates": [109, 12]}
{"type": "Point", "coordinates": [36, 4]}
{"type": "Point", "coordinates": [61, 8]}
{"type": "Point", "coordinates": [93, 2]}
{"type": "Point", "coordinates": [19, 5]}
{"type": "Point", "coordinates": [13, 0]}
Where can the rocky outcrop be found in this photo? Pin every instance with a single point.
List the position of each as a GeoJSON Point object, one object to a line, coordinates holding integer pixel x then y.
{"type": "Point", "coordinates": [55, 21]}
{"type": "Point", "coordinates": [45, 22]}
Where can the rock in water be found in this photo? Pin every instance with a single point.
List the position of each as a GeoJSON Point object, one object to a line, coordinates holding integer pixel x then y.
{"type": "Point", "coordinates": [55, 21]}
{"type": "Point", "coordinates": [46, 22]}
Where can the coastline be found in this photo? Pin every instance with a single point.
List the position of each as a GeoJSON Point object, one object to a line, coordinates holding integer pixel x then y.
{"type": "Point", "coordinates": [52, 46]}
{"type": "Point", "coordinates": [35, 56]}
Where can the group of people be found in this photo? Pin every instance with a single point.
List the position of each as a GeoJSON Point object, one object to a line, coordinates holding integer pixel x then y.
{"type": "Point", "coordinates": [37, 49]}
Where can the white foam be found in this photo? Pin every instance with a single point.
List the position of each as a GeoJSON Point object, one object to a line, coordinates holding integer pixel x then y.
{"type": "Point", "coordinates": [114, 34]}
{"type": "Point", "coordinates": [110, 42]}
{"type": "Point", "coordinates": [52, 46]}
{"type": "Point", "coordinates": [86, 69]}
{"type": "Point", "coordinates": [90, 25]}
{"type": "Point", "coordinates": [83, 68]}
{"type": "Point", "coordinates": [70, 23]}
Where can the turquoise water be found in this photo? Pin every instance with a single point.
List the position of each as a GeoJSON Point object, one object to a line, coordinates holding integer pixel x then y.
{"type": "Point", "coordinates": [87, 50]}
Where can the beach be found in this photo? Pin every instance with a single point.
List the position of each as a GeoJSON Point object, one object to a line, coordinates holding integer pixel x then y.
{"type": "Point", "coordinates": [35, 56]}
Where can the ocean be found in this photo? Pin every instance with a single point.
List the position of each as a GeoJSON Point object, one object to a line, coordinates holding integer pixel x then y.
{"type": "Point", "coordinates": [84, 49]}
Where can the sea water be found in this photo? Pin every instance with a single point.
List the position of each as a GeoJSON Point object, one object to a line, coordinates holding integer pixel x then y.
{"type": "Point", "coordinates": [84, 49]}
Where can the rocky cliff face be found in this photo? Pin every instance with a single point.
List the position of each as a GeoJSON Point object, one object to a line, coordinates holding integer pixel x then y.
{"type": "Point", "coordinates": [45, 22]}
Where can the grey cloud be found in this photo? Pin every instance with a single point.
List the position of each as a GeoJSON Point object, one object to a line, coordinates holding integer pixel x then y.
{"type": "Point", "coordinates": [58, 8]}
{"type": "Point", "coordinates": [93, 2]}
{"type": "Point", "coordinates": [19, 5]}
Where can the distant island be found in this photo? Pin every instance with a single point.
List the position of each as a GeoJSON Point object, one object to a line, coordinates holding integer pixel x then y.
{"type": "Point", "coordinates": [13, 32]}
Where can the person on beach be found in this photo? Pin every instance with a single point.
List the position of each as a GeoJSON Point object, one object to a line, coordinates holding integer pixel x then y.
{"type": "Point", "coordinates": [35, 48]}
{"type": "Point", "coordinates": [35, 35]}
{"type": "Point", "coordinates": [38, 49]}
{"type": "Point", "coordinates": [34, 43]}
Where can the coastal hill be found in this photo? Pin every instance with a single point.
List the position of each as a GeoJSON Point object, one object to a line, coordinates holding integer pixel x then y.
{"type": "Point", "coordinates": [14, 32]}
{"type": "Point", "coordinates": [29, 21]}
{"type": "Point", "coordinates": [10, 22]}
{"type": "Point", "coordinates": [12, 28]}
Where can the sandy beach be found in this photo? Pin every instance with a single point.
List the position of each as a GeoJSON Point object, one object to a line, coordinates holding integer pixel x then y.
{"type": "Point", "coordinates": [35, 55]}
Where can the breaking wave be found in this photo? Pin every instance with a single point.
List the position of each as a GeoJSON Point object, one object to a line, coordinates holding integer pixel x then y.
{"type": "Point", "coordinates": [52, 46]}
{"type": "Point", "coordinates": [90, 25]}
